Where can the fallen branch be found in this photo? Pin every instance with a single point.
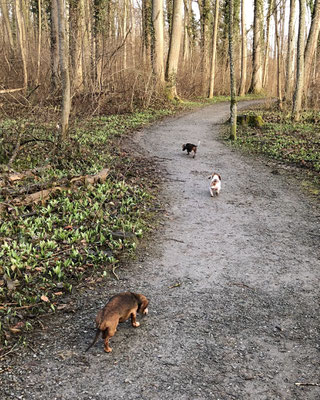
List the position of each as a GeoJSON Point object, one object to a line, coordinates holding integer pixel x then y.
{"type": "Point", "coordinates": [307, 384]}
{"type": "Point", "coordinates": [44, 194]}
{"type": "Point", "coordinates": [4, 91]}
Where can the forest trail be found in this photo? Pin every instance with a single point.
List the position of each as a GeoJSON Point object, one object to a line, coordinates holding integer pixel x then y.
{"type": "Point", "coordinates": [233, 283]}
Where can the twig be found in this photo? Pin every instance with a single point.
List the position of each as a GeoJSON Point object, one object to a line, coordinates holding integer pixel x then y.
{"type": "Point", "coordinates": [3, 91]}
{"type": "Point", "coordinates": [241, 285]}
{"type": "Point", "coordinates": [8, 352]}
{"type": "Point", "coordinates": [175, 285]}
{"type": "Point", "coordinates": [114, 271]}
{"type": "Point", "coordinates": [16, 150]}
{"type": "Point", "coordinates": [175, 240]}
{"type": "Point", "coordinates": [21, 307]}
{"type": "Point", "coordinates": [307, 384]}
{"type": "Point", "coordinates": [32, 349]}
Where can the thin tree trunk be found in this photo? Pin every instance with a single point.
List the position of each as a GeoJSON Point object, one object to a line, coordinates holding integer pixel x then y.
{"type": "Point", "coordinates": [277, 39]}
{"type": "Point", "coordinates": [186, 25]}
{"type": "Point", "coordinates": [22, 41]}
{"type": "Point", "coordinates": [233, 102]}
{"type": "Point", "coordinates": [174, 50]}
{"type": "Point", "coordinates": [157, 54]}
{"type": "Point", "coordinates": [291, 51]}
{"type": "Point", "coordinates": [297, 98]}
{"type": "Point", "coordinates": [256, 82]}
{"type": "Point", "coordinates": [243, 76]}
{"type": "Point", "coordinates": [204, 21]}
{"type": "Point", "coordinates": [146, 30]}
{"type": "Point", "coordinates": [77, 22]}
{"type": "Point", "coordinates": [214, 49]}
{"type": "Point", "coordinates": [312, 43]}
{"type": "Point", "coordinates": [39, 40]}
{"type": "Point", "coordinates": [5, 16]}
{"type": "Point", "coordinates": [54, 48]}
{"type": "Point", "coordinates": [64, 67]}
{"type": "Point", "coordinates": [266, 53]}
{"type": "Point", "coordinates": [124, 33]}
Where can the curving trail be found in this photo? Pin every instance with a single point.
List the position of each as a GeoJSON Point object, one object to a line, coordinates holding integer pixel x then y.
{"type": "Point", "coordinates": [233, 283]}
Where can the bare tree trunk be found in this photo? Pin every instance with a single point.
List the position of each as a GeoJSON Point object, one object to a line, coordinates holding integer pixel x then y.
{"type": "Point", "coordinates": [233, 102]}
{"type": "Point", "coordinates": [39, 40]}
{"type": "Point", "coordinates": [277, 39]}
{"type": "Point", "coordinates": [146, 30]}
{"type": "Point", "coordinates": [77, 32]}
{"type": "Point", "coordinates": [174, 50]}
{"type": "Point", "coordinates": [54, 48]}
{"type": "Point", "coordinates": [243, 76]}
{"type": "Point", "coordinates": [64, 67]}
{"type": "Point", "coordinates": [256, 82]}
{"type": "Point", "coordinates": [297, 98]}
{"type": "Point", "coordinates": [22, 41]}
{"type": "Point", "coordinates": [125, 21]}
{"type": "Point", "coordinates": [266, 53]}
{"type": "Point", "coordinates": [157, 54]}
{"type": "Point", "coordinates": [5, 15]}
{"type": "Point", "coordinates": [214, 49]}
{"type": "Point", "coordinates": [291, 52]}
{"type": "Point", "coordinates": [186, 38]}
{"type": "Point", "coordinates": [312, 43]}
{"type": "Point", "coordinates": [204, 7]}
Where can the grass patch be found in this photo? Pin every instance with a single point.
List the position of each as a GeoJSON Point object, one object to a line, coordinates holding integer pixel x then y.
{"type": "Point", "coordinates": [79, 234]}
{"type": "Point", "coordinates": [283, 140]}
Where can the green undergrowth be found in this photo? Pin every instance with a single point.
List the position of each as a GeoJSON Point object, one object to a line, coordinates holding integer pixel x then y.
{"type": "Point", "coordinates": [293, 143]}
{"type": "Point", "coordinates": [80, 234]}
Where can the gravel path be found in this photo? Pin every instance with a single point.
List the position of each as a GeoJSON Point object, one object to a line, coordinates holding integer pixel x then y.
{"type": "Point", "coordinates": [233, 283]}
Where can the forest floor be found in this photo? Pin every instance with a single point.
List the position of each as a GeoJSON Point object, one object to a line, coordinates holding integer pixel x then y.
{"type": "Point", "coordinates": [233, 283]}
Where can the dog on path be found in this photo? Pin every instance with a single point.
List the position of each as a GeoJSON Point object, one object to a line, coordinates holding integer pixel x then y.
{"type": "Point", "coordinates": [215, 184]}
{"type": "Point", "coordinates": [190, 148]}
{"type": "Point", "coordinates": [119, 308]}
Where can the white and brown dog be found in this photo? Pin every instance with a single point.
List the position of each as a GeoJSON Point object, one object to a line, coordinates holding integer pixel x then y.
{"type": "Point", "coordinates": [215, 184]}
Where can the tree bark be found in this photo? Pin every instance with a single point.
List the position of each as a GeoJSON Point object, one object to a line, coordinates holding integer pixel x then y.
{"type": "Point", "coordinates": [291, 52]}
{"type": "Point", "coordinates": [77, 21]}
{"type": "Point", "coordinates": [214, 49]}
{"type": "Point", "coordinates": [146, 30]}
{"type": "Point", "coordinates": [277, 37]}
{"type": "Point", "coordinates": [204, 7]}
{"type": "Point", "coordinates": [233, 102]}
{"type": "Point", "coordinates": [256, 82]}
{"type": "Point", "coordinates": [22, 41]}
{"type": "Point", "coordinates": [39, 40]}
{"type": "Point", "coordinates": [266, 52]}
{"type": "Point", "coordinates": [297, 98]}
{"type": "Point", "coordinates": [157, 54]}
{"type": "Point", "coordinates": [312, 43]}
{"type": "Point", "coordinates": [243, 75]}
{"type": "Point", "coordinates": [174, 50]}
{"type": "Point", "coordinates": [5, 15]}
{"type": "Point", "coordinates": [64, 67]}
{"type": "Point", "coordinates": [54, 45]}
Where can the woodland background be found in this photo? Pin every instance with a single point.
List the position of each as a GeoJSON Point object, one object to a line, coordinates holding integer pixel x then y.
{"type": "Point", "coordinates": [116, 56]}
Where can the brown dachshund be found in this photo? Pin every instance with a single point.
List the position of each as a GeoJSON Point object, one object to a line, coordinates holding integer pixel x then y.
{"type": "Point", "coordinates": [119, 308]}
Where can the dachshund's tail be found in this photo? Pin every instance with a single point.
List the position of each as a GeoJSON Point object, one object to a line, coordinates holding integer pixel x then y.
{"type": "Point", "coordinates": [94, 340]}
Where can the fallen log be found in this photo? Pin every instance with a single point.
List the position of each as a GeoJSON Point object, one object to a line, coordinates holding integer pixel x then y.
{"type": "Point", "coordinates": [44, 194]}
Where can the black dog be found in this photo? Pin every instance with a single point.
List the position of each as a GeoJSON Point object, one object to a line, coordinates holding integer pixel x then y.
{"type": "Point", "coordinates": [190, 147]}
